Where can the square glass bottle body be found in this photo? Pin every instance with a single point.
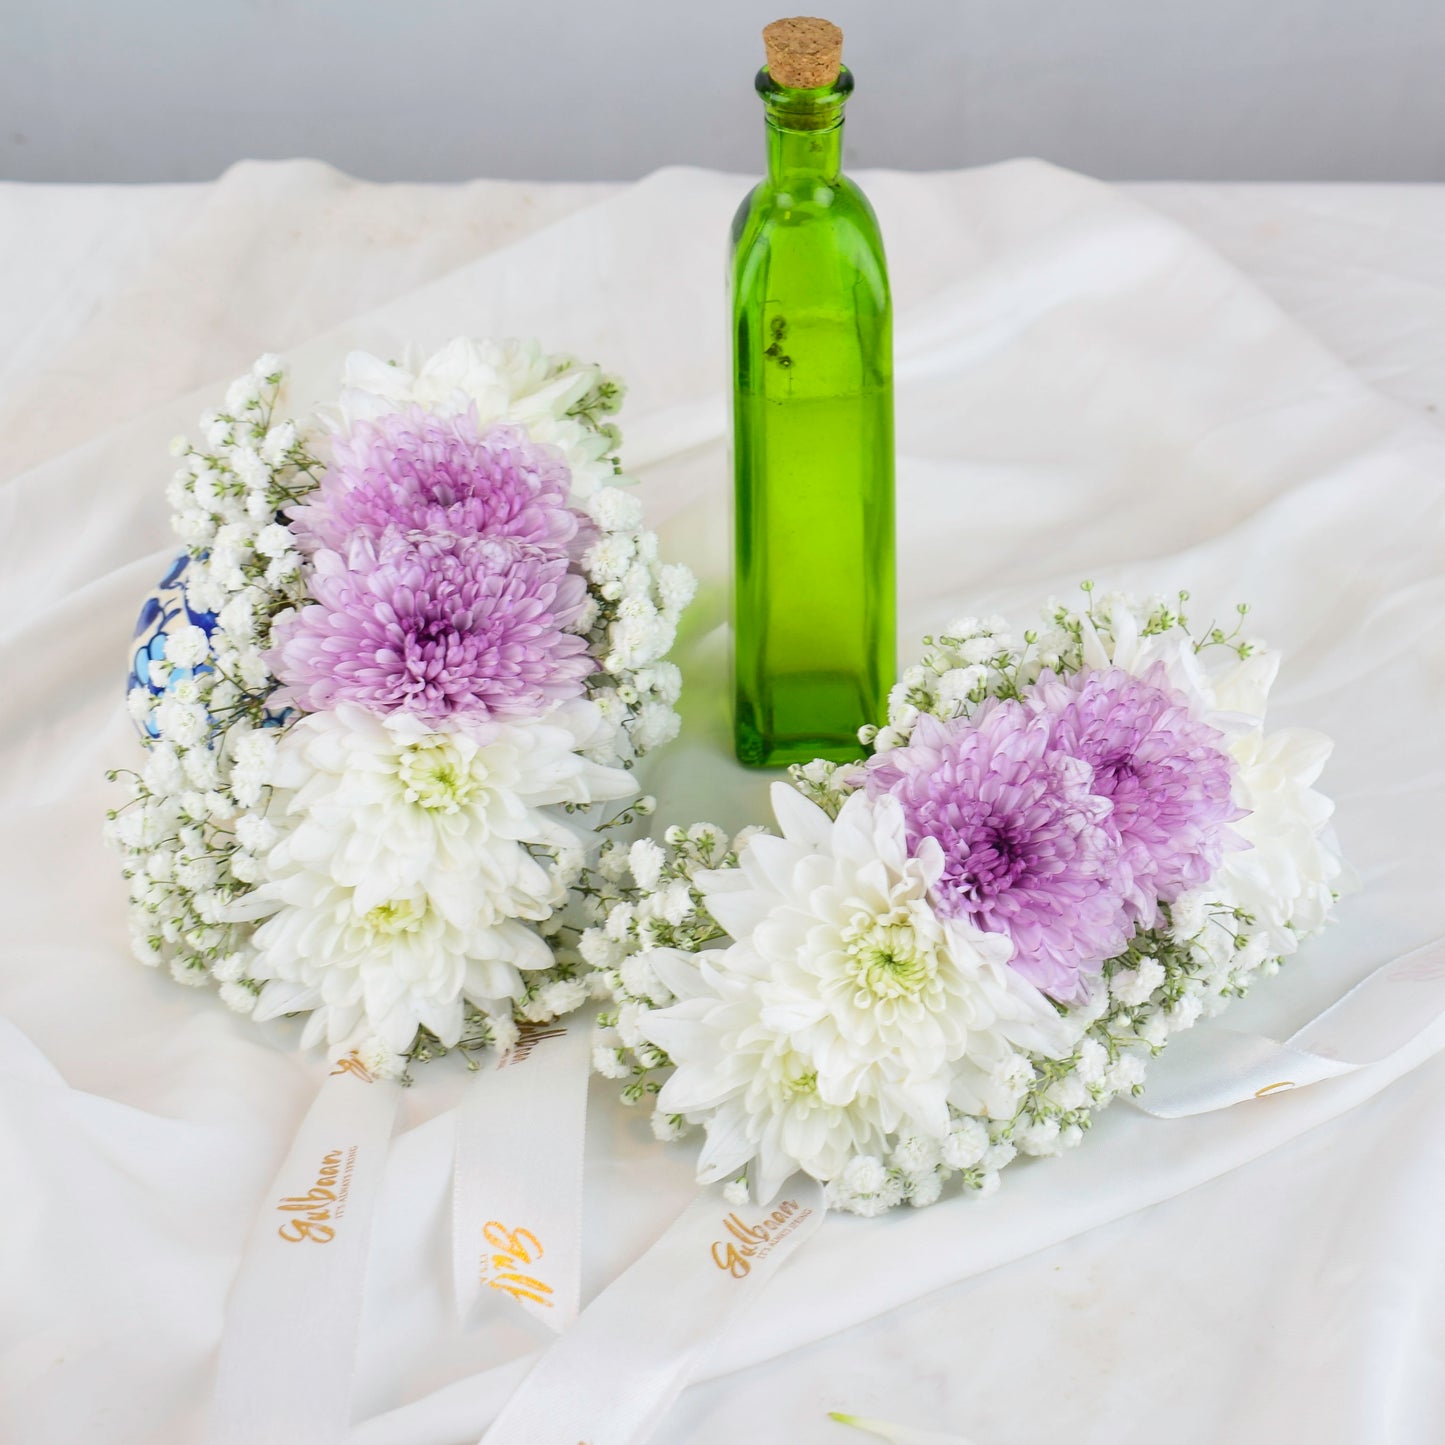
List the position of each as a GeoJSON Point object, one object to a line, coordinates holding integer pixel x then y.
{"type": "Point", "coordinates": [813, 542]}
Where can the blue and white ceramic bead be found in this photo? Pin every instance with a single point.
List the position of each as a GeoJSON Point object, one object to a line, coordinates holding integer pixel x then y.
{"type": "Point", "coordinates": [164, 613]}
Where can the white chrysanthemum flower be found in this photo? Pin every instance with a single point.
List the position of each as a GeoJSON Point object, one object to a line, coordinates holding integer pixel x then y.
{"type": "Point", "coordinates": [1224, 690]}
{"type": "Point", "coordinates": [463, 801]}
{"type": "Point", "coordinates": [509, 381]}
{"type": "Point", "coordinates": [845, 1008]}
{"type": "Point", "coordinates": [1287, 877]}
{"type": "Point", "coordinates": [394, 965]}
{"type": "Point", "coordinates": [403, 880]}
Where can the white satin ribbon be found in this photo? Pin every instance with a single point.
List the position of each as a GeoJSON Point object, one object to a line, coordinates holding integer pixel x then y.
{"type": "Point", "coordinates": [517, 1186]}
{"type": "Point", "coordinates": [1212, 1068]}
{"type": "Point", "coordinates": [610, 1378]}
{"type": "Point", "coordinates": [288, 1351]}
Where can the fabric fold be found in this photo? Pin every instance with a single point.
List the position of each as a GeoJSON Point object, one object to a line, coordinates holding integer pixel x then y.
{"type": "Point", "coordinates": [1086, 390]}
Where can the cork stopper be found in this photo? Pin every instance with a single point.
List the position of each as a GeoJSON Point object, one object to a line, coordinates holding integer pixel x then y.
{"type": "Point", "coordinates": [803, 53]}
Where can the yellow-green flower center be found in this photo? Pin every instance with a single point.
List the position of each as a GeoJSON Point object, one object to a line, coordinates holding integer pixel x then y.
{"type": "Point", "coordinates": [886, 957]}
{"type": "Point", "coordinates": [396, 915]}
{"type": "Point", "coordinates": [436, 777]}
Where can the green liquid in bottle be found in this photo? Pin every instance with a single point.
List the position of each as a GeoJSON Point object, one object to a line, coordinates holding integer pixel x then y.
{"type": "Point", "coordinates": [814, 601]}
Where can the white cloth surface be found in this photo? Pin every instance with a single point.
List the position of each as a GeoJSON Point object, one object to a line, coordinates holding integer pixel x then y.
{"type": "Point", "coordinates": [1084, 389]}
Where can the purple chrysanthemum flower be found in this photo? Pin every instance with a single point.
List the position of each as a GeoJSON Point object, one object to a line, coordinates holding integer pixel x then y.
{"type": "Point", "coordinates": [438, 476]}
{"type": "Point", "coordinates": [1025, 846]}
{"type": "Point", "coordinates": [461, 631]}
{"type": "Point", "coordinates": [1165, 773]}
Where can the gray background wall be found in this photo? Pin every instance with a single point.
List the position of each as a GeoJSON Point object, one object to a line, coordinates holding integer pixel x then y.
{"type": "Point", "coordinates": [140, 90]}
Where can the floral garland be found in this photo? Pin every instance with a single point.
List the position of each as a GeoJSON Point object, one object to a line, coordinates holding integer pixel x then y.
{"type": "Point", "coordinates": [1060, 853]}
{"type": "Point", "coordinates": [390, 691]}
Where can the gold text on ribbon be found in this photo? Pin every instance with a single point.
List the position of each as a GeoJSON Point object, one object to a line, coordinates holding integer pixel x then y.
{"type": "Point", "coordinates": [749, 1242]}
{"type": "Point", "coordinates": [315, 1214]}
{"type": "Point", "coordinates": [352, 1065]}
{"type": "Point", "coordinates": [502, 1263]}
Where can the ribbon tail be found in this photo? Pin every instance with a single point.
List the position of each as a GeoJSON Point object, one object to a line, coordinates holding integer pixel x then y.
{"type": "Point", "coordinates": [1224, 1067]}
{"type": "Point", "coordinates": [635, 1348]}
{"type": "Point", "coordinates": [517, 1184]}
{"type": "Point", "coordinates": [288, 1349]}
{"type": "Point", "coordinates": [1213, 1068]}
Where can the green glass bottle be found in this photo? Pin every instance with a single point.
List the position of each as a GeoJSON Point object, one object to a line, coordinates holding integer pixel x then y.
{"type": "Point", "coordinates": [814, 592]}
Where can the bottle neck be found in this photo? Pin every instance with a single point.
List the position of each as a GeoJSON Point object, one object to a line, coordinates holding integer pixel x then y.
{"type": "Point", "coordinates": [804, 129]}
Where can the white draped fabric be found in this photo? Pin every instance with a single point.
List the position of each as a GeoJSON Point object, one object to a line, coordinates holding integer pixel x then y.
{"type": "Point", "coordinates": [1086, 389]}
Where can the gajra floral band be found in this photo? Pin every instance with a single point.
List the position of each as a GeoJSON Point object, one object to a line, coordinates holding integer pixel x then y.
{"type": "Point", "coordinates": [390, 691]}
{"type": "Point", "coordinates": [1062, 850]}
